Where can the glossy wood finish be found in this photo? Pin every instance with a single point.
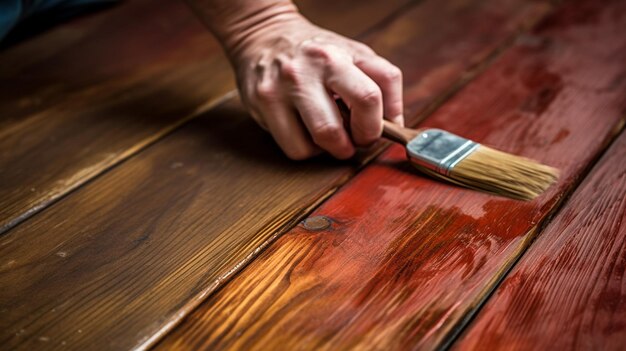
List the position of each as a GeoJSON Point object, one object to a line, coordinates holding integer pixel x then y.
{"type": "Point", "coordinates": [567, 292]}
{"type": "Point", "coordinates": [126, 42]}
{"type": "Point", "coordinates": [88, 95]}
{"type": "Point", "coordinates": [124, 258]}
{"type": "Point", "coordinates": [406, 261]}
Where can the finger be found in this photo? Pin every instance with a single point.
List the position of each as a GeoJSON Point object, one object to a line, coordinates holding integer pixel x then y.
{"type": "Point", "coordinates": [290, 134]}
{"type": "Point", "coordinates": [249, 97]}
{"type": "Point", "coordinates": [389, 79]}
{"type": "Point", "coordinates": [286, 128]}
{"type": "Point", "coordinates": [321, 117]}
{"type": "Point", "coordinates": [364, 98]}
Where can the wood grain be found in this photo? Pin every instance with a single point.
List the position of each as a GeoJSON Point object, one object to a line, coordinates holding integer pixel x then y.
{"type": "Point", "coordinates": [80, 59]}
{"type": "Point", "coordinates": [567, 292]}
{"type": "Point", "coordinates": [92, 93]}
{"type": "Point", "coordinates": [124, 258]}
{"type": "Point", "coordinates": [407, 260]}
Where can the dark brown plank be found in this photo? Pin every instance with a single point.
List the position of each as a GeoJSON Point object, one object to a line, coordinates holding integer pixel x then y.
{"type": "Point", "coordinates": [405, 260]}
{"type": "Point", "coordinates": [567, 292]}
{"type": "Point", "coordinates": [125, 257]}
{"type": "Point", "coordinates": [89, 94]}
{"type": "Point", "coordinates": [121, 45]}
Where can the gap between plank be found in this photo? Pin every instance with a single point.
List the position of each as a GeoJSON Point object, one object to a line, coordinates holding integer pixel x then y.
{"type": "Point", "coordinates": [218, 284]}
{"type": "Point", "coordinates": [120, 159]}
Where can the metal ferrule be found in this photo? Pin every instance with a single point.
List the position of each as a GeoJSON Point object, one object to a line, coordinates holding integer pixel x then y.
{"type": "Point", "coordinates": [439, 150]}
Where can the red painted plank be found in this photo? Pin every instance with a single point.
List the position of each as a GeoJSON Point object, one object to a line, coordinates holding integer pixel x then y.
{"type": "Point", "coordinates": [406, 260]}
{"type": "Point", "coordinates": [568, 292]}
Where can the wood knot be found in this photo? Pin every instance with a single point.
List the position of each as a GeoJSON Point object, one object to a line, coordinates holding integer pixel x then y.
{"type": "Point", "coordinates": [316, 223]}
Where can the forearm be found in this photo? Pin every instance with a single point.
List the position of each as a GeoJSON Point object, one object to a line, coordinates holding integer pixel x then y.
{"type": "Point", "coordinates": [234, 21]}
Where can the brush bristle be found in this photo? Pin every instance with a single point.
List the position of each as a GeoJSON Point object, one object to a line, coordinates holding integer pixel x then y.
{"type": "Point", "coordinates": [504, 174]}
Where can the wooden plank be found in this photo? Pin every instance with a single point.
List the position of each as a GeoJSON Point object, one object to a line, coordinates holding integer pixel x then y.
{"type": "Point", "coordinates": [92, 93]}
{"type": "Point", "coordinates": [406, 260]}
{"type": "Point", "coordinates": [124, 258]}
{"type": "Point", "coordinates": [81, 98]}
{"type": "Point", "coordinates": [567, 292]}
{"type": "Point", "coordinates": [128, 42]}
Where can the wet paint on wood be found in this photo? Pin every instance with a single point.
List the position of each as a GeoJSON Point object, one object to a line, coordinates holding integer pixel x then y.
{"type": "Point", "coordinates": [567, 292]}
{"type": "Point", "coordinates": [78, 100]}
{"type": "Point", "coordinates": [408, 260]}
{"type": "Point", "coordinates": [127, 256]}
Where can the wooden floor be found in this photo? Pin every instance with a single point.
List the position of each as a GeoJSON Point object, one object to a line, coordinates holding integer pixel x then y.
{"type": "Point", "coordinates": [132, 217]}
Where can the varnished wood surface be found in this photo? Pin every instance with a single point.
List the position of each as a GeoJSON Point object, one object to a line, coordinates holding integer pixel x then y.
{"type": "Point", "coordinates": [124, 43]}
{"type": "Point", "coordinates": [87, 95]}
{"type": "Point", "coordinates": [568, 291]}
{"type": "Point", "coordinates": [90, 93]}
{"type": "Point", "coordinates": [122, 259]}
{"type": "Point", "coordinates": [406, 261]}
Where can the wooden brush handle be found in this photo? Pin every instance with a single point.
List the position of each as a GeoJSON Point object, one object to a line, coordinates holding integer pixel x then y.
{"type": "Point", "coordinates": [391, 131]}
{"type": "Point", "coordinates": [397, 133]}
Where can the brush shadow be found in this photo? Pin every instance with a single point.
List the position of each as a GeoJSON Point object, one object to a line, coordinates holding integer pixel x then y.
{"type": "Point", "coordinates": [406, 167]}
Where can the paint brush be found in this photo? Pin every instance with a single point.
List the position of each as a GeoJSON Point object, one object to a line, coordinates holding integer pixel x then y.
{"type": "Point", "coordinates": [450, 157]}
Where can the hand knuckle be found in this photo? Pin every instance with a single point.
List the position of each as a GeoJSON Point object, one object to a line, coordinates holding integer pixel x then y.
{"type": "Point", "coordinates": [327, 133]}
{"type": "Point", "coordinates": [371, 97]}
{"type": "Point", "coordinates": [266, 92]}
{"type": "Point", "coordinates": [364, 48]}
{"type": "Point", "coordinates": [290, 72]}
{"type": "Point", "coordinates": [393, 74]}
{"type": "Point", "coordinates": [314, 49]}
{"type": "Point", "coordinates": [319, 53]}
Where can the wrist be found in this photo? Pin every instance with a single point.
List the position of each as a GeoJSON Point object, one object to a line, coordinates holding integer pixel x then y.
{"type": "Point", "coordinates": [240, 22]}
{"type": "Point", "coordinates": [268, 25]}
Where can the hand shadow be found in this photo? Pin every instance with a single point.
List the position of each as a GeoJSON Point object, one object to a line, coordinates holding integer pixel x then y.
{"type": "Point", "coordinates": [229, 128]}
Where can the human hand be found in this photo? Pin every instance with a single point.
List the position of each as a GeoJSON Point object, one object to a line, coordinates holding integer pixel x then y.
{"type": "Point", "coordinates": [289, 72]}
